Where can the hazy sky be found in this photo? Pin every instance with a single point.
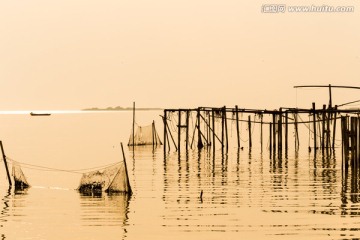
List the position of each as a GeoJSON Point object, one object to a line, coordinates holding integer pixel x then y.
{"type": "Point", "coordinates": [72, 54]}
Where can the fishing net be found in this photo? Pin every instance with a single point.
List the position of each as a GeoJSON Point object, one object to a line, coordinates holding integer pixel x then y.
{"type": "Point", "coordinates": [145, 135]}
{"type": "Point", "coordinates": [111, 179]}
{"type": "Point", "coordinates": [20, 181]}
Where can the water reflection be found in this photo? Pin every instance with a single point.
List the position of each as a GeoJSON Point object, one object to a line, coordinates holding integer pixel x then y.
{"type": "Point", "coordinates": [287, 189]}
{"type": "Point", "coordinates": [103, 209]}
{"type": "Point", "coordinates": [5, 209]}
{"type": "Point", "coordinates": [350, 191]}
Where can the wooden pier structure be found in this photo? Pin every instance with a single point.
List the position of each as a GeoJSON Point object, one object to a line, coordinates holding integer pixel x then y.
{"type": "Point", "coordinates": [212, 127]}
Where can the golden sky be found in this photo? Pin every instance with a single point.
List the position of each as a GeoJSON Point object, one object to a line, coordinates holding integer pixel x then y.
{"type": "Point", "coordinates": [73, 54]}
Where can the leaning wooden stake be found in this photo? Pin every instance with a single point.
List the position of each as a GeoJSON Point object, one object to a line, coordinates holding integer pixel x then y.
{"type": "Point", "coordinates": [5, 162]}
{"type": "Point", "coordinates": [127, 175]}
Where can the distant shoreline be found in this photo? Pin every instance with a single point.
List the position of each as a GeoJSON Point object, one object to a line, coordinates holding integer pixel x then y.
{"type": "Point", "coordinates": [119, 109]}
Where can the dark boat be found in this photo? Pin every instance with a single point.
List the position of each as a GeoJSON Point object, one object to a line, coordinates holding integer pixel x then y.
{"type": "Point", "coordinates": [40, 114]}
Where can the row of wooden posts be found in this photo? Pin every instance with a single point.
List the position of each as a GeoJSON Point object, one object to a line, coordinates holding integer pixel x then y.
{"type": "Point", "coordinates": [322, 125]}
{"type": "Point", "coordinates": [350, 129]}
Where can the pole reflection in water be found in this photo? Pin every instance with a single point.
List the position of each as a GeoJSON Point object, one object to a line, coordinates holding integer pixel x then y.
{"type": "Point", "coordinates": [5, 211]}
{"type": "Point", "coordinates": [242, 194]}
{"type": "Point", "coordinates": [103, 209]}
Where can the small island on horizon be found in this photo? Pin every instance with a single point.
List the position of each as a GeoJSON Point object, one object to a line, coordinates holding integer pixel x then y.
{"type": "Point", "coordinates": [119, 108]}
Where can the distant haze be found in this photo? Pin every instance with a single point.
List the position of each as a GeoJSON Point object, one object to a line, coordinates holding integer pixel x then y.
{"type": "Point", "coordinates": [78, 54]}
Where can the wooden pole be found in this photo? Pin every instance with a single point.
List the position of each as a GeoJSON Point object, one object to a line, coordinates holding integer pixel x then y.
{"type": "Point", "coordinates": [213, 127]}
{"type": "Point", "coordinates": [187, 130]}
{"type": "Point", "coordinates": [249, 127]}
{"type": "Point", "coordinates": [193, 135]}
{"type": "Point", "coordinates": [358, 139]}
{"type": "Point", "coordinates": [208, 124]}
{"type": "Point", "coordinates": [165, 129]}
{"type": "Point", "coordinates": [179, 131]}
{"type": "Point", "coordinates": [226, 130]}
{"type": "Point", "coordinates": [286, 130]}
{"type": "Point", "coordinates": [274, 132]}
{"type": "Point", "coordinates": [352, 130]}
{"type": "Point", "coordinates": [133, 130]}
{"type": "Point", "coordinates": [270, 134]}
{"type": "Point", "coordinates": [208, 129]}
{"type": "Point", "coordinates": [222, 128]}
{"type": "Point", "coordinates": [323, 127]}
{"type": "Point", "coordinates": [343, 137]}
{"type": "Point", "coordinates": [296, 132]}
{"type": "Point", "coordinates": [127, 175]}
{"type": "Point", "coordinates": [314, 125]}
{"type": "Point", "coordinates": [172, 138]}
{"type": "Point", "coordinates": [237, 126]}
{"type": "Point", "coordinates": [153, 133]}
{"type": "Point", "coordinates": [5, 163]}
{"type": "Point", "coordinates": [261, 131]}
{"type": "Point", "coordinates": [280, 131]}
{"type": "Point", "coordinates": [200, 144]}
{"type": "Point", "coordinates": [328, 133]}
{"type": "Point", "coordinates": [334, 128]}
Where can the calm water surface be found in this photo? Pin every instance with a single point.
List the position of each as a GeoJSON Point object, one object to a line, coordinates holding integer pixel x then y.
{"type": "Point", "coordinates": [246, 194]}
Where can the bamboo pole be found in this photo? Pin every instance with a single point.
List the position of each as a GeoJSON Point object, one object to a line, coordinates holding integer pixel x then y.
{"type": "Point", "coordinates": [270, 138]}
{"type": "Point", "coordinates": [297, 144]}
{"type": "Point", "coordinates": [237, 126]}
{"type": "Point", "coordinates": [165, 129]}
{"type": "Point", "coordinates": [208, 128]}
{"type": "Point", "coordinates": [213, 128]}
{"type": "Point", "coordinates": [133, 129]}
{"type": "Point", "coordinates": [179, 131]}
{"type": "Point", "coordinates": [200, 144]}
{"type": "Point", "coordinates": [274, 132]}
{"type": "Point", "coordinates": [5, 163]}
{"type": "Point", "coordinates": [286, 130]}
{"type": "Point", "coordinates": [249, 127]}
{"type": "Point", "coordinates": [226, 130]}
{"type": "Point", "coordinates": [323, 127]}
{"type": "Point", "coordinates": [153, 133]}
{"type": "Point", "coordinates": [208, 124]}
{"type": "Point", "coordinates": [222, 127]}
{"type": "Point", "coordinates": [314, 125]}
{"type": "Point", "coordinates": [193, 135]}
{"type": "Point", "coordinates": [280, 131]}
{"type": "Point", "coordinates": [187, 130]}
{"type": "Point", "coordinates": [334, 128]}
{"type": "Point", "coordinates": [261, 132]}
{"type": "Point", "coordinates": [127, 175]}
{"type": "Point", "coordinates": [172, 138]}
{"type": "Point", "coordinates": [328, 133]}
{"type": "Point", "coordinates": [343, 136]}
